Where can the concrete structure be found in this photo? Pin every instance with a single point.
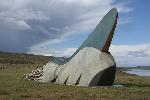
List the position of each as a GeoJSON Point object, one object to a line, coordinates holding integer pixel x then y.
{"type": "Point", "coordinates": [90, 65]}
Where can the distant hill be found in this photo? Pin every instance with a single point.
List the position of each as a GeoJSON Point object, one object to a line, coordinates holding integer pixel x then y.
{"type": "Point", "coordinates": [130, 68]}
{"type": "Point", "coordinates": [22, 58]}
{"type": "Point", "coordinates": [143, 67]}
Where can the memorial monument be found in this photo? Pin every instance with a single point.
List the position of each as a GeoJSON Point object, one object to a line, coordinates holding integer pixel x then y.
{"type": "Point", "coordinates": [91, 64]}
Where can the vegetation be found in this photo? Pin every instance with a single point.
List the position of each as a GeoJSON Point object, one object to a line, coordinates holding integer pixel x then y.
{"type": "Point", "coordinates": [14, 87]}
{"type": "Point", "coordinates": [21, 58]}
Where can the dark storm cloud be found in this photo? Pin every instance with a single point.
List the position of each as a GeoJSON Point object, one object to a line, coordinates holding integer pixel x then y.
{"type": "Point", "coordinates": [25, 23]}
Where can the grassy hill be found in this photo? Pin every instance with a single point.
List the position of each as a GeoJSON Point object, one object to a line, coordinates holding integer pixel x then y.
{"type": "Point", "coordinates": [22, 58]}
{"type": "Point", "coordinates": [14, 87]}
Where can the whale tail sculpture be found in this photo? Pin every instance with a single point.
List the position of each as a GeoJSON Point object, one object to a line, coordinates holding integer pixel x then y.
{"type": "Point", "coordinates": [90, 65]}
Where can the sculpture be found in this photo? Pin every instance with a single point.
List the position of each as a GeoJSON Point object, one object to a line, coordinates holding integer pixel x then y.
{"type": "Point", "coordinates": [90, 65]}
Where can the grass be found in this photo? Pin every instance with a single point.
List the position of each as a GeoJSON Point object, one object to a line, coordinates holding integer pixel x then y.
{"type": "Point", "coordinates": [14, 87]}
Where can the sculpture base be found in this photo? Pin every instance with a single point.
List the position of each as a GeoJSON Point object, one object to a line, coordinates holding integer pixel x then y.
{"type": "Point", "coordinates": [90, 67]}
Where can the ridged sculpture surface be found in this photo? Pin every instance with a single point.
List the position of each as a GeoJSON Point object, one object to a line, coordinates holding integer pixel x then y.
{"type": "Point", "coordinates": [90, 65]}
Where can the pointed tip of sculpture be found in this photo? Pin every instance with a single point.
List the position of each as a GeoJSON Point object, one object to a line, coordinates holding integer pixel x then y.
{"type": "Point", "coordinates": [102, 35]}
{"type": "Point", "coordinates": [115, 9]}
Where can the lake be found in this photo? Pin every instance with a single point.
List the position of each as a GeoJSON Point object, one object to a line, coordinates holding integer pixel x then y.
{"type": "Point", "coordinates": [139, 72]}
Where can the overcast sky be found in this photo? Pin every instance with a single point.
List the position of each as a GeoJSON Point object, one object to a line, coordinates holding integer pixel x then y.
{"type": "Point", "coordinates": [58, 27]}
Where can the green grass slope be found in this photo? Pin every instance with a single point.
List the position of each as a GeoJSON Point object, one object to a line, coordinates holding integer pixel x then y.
{"type": "Point", "coordinates": [14, 87]}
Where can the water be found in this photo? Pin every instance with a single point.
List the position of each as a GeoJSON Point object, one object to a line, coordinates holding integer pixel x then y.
{"type": "Point", "coordinates": [139, 72]}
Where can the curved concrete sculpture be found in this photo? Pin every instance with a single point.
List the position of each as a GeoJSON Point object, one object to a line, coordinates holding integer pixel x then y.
{"type": "Point", "coordinates": [90, 65]}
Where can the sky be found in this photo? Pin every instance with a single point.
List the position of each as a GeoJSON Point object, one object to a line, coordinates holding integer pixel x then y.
{"type": "Point", "coordinates": [58, 27]}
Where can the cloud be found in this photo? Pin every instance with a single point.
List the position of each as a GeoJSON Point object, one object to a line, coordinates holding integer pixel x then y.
{"type": "Point", "coordinates": [122, 7]}
{"type": "Point", "coordinates": [125, 21]}
{"type": "Point", "coordinates": [26, 23]}
{"type": "Point", "coordinates": [63, 52]}
{"type": "Point", "coordinates": [67, 52]}
{"type": "Point", "coordinates": [131, 55]}
{"type": "Point", "coordinates": [125, 55]}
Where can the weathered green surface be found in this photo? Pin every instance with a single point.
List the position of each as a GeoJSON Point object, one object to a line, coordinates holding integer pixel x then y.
{"type": "Point", "coordinates": [99, 36]}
